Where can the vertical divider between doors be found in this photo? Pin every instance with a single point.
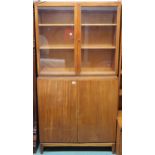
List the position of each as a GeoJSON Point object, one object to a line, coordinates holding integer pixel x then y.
{"type": "Point", "coordinates": [78, 38]}
{"type": "Point", "coordinates": [78, 56]}
{"type": "Point", "coordinates": [77, 109]}
{"type": "Point", "coordinates": [75, 61]}
{"type": "Point", "coordinates": [75, 38]}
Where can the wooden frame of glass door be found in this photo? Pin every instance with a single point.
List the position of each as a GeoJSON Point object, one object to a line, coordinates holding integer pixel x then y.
{"type": "Point", "coordinates": [99, 4]}
{"type": "Point", "coordinates": [55, 4]}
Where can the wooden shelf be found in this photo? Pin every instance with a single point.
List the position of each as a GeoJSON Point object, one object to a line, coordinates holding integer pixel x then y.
{"type": "Point", "coordinates": [98, 47]}
{"type": "Point", "coordinates": [57, 47]}
{"type": "Point", "coordinates": [120, 92]}
{"type": "Point", "coordinates": [57, 71]}
{"type": "Point", "coordinates": [43, 25]}
{"type": "Point", "coordinates": [99, 24]}
{"type": "Point", "coordinates": [97, 71]}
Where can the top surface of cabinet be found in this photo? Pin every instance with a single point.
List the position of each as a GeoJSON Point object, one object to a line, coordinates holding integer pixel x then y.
{"type": "Point", "coordinates": [77, 38]}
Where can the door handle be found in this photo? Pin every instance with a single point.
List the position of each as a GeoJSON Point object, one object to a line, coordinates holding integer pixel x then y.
{"type": "Point", "coordinates": [73, 82]}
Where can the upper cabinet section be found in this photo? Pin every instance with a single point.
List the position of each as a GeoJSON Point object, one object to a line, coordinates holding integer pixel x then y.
{"type": "Point", "coordinates": [77, 38]}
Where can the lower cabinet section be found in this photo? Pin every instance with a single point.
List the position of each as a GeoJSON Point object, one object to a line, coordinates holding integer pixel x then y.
{"type": "Point", "coordinates": [77, 109]}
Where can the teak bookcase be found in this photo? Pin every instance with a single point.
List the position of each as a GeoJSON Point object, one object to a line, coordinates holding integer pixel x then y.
{"type": "Point", "coordinates": [77, 63]}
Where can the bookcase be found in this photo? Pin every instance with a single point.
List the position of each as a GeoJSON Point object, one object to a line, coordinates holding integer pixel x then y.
{"type": "Point", "coordinates": [77, 63]}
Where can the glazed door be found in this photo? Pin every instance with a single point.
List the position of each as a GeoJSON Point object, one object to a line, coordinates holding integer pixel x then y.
{"type": "Point", "coordinates": [97, 110]}
{"type": "Point", "coordinates": [99, 35]}
{"type": "Point", "coordinates": [57, 40]}
{"type": "Point", "coordinates": [57, 110]}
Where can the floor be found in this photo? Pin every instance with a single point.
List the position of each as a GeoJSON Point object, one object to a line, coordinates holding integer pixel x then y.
{"type": "Point", "coordinates": [76, 151]}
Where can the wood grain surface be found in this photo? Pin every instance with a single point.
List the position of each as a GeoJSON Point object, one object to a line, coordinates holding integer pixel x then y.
{"type": "Point", "coordinates": [97, 110]}
{"type": "Point", "coordinates": [57, 110]}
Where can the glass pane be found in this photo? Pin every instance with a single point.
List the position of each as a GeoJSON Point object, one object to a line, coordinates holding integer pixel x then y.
{"type": "Point", "coordinates": [94, 60]}
{"type": "Point", "coordinates": [56, 38]}
{"type": "Point", "coordinates": [99, 15]}
{"type": "Point", "coordinates": [56, 61]}
{"type": "Point", "coordinates": [98, 36]}
{"type": "Point", "coordinates": [98, 28]}
{"type": "Point", "coordinates": [56, 15]}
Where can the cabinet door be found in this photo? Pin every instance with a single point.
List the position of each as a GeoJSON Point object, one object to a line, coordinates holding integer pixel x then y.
{"type": "Point", "coordinates": [99, 39]}
{"type": "Point", "coordinates": [56, 33]}
{"type": "Point", "coordinates": [97, 109]}
{"type": "Point", "coordinates": [57, 110]}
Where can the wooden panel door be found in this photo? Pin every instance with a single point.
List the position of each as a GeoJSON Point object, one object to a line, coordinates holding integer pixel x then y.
{"type": "Point", "coordinates": [57, 110]}
{"type": "Point", "coordinates": [97, 110]}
